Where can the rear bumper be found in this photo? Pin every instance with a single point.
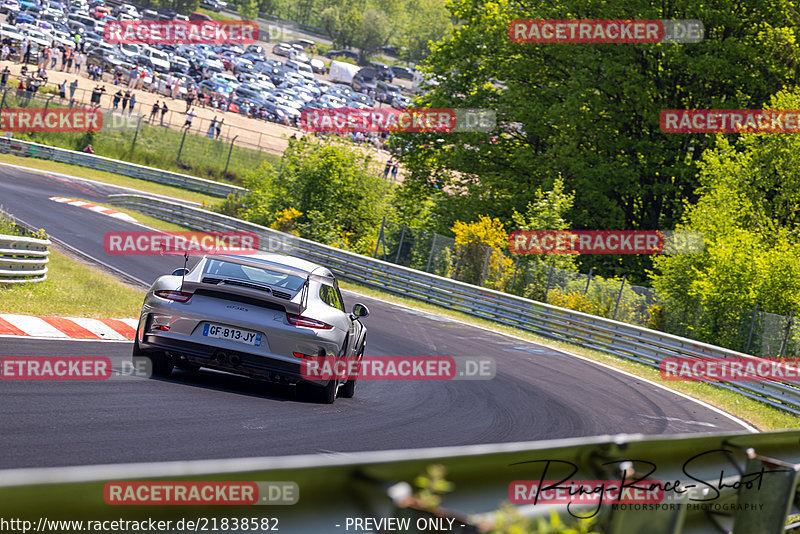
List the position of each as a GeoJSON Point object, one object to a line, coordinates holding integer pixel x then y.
{"type": "Point", "coordinates": [237, 362]}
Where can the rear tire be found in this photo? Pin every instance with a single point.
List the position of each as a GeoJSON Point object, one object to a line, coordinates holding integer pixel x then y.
{"type": "Point", "coordinates": [160, 362]}
{"type": "Point", "coordinates": [320, 395]}
{"type": "Point", "coordinates": [348, 390]}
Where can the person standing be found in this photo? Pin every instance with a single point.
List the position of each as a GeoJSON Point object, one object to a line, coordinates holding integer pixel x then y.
{"type": "Point", "coordinates": [53, 57]}
{"type": "Point", "coordinates": [211, 128]}
{"type": "Point", "coordinates": [69, 57]}
{"type": "Point", "coordinates": [131, 104]}
{"type": "Point", "coordinates": [125, 99]}
{"type": "Point", "coordinates": [73, 86]}
{"type": "Point", "coordinates": [219, 127]}
{"type": "Point", "coordinates": [134, 77]}
{"type": "Point", "coordinates": [4, 76]}
{"type": "Point", "coordinates": [189, 117]}
{"type": "Point", "coordinates": [163, 111]}
{"type": "Point", "coordinates": [62, 90]}
{"type": "Point", "coordinates": [154, 112]}
{"type": "Point", "coordinates": [79, 57]}
{"type": "Point", "coordinates": [117, 98]}
{"type": "Point", "coordinates": [25, 52]}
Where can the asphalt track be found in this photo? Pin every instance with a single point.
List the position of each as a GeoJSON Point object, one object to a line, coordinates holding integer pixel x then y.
{"type": "Point", "coordinates": [537, 393]}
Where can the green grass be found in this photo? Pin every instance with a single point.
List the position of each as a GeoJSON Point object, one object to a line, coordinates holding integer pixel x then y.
{"type": "Point", "coordinates": [155, 146]}
{"type": "Point", "coordinates": [108, 178]}
{"type": "Point", "coordinates": [72, 289]}
{"type": "Point", "coordinates": [759, 415]}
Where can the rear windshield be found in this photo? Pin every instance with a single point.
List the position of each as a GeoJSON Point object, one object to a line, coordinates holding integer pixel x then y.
{"type": "Point", "coordinates": [255, 274]}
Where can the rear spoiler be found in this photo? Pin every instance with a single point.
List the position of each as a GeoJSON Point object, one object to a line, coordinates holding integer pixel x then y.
{"type": "Point", "coordinates": [266, 295]}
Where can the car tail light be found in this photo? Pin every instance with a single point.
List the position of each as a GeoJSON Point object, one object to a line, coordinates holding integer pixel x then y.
{"type": "Point", "coordinates": [177, 296]}
{"type": "Point", "coordinates": [299, 320]}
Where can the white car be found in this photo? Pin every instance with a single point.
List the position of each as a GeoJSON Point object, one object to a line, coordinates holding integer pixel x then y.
{"type": "Point", "coordinates": [129, 49]}
{"type": "Point", "coordinates": [36, 37]}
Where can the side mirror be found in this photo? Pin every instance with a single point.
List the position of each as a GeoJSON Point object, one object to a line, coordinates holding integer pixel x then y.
{"type": "Point", "coordinates": [359, 310]}
{"type": "Point", "coordinates": [180, 272]}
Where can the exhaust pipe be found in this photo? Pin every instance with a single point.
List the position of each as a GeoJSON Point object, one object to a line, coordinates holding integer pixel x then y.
{"type": "Point", "coordinates": [221, 357]}
{"type": "Point", "coordinates": [236, 360]}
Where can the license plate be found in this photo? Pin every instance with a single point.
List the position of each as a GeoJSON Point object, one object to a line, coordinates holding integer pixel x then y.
{"type": "Point", "coordinates": [233, 334]}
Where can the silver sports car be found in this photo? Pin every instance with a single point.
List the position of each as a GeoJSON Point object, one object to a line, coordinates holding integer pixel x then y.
{"type": "Point", "coordinates": [257, 316]}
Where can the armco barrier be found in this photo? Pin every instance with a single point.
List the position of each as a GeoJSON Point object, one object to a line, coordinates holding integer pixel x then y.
{"type": "Point", "coordinates": [23, 259]}
{"type": "Point", "coordinates": [627, 341]}
{"type": "Point", "coordinates": [732, 482]}
{"type": "Point", "coordinates": [91, 161]}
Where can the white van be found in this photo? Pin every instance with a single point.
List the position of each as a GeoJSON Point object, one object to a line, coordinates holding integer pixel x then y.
{"type": "Point", "coordinates": [160, 59]}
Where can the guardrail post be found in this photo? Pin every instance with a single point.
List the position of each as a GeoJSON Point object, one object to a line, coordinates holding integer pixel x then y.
{"type": "Point", "coordinates": [230, 151]}
{"type": "Point", "coordinates": [400, 246]}
{"type": "Point", "coordinates": [588, 280]}
{"type": "Point", "coordinates": [752, 325]}
{"type": "Point", "coordinates": [621, 286]}
{"type": "Point", "coordinates": [788, 331]}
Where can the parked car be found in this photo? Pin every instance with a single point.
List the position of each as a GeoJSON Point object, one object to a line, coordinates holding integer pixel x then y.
{"type": "Point", "coordinates": [214, 5]}
{"type": "Point", "coordinates": [342, 53]}
{"type": "Point", "coordinates": [386, 92]}
{"type": "Point", "coordinates": [402, 72]}
{"type": "Point", "coordinates": [199, 16]}
{"type": "Point", "coordinates": [283, 49]}
{"type": "Point", "coordinates": [401, 102]}
{"type": "Point", "coordinates": [9, 6]}
{"type": "Point", "coordinates": [257, 316]}
{"type": "Point", "coordinates": [365, 79]}
{"type": "Point", "coordinates": [318, 66]}
{"type": "Point", "coordinates": [382, 71]}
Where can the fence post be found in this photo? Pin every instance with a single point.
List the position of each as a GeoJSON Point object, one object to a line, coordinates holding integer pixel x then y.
{"type": "Point", "coordinates": [400, 246]}
{"type": "Point", "coordinates": [514, 279]}
{"type": "Point", "coordinates": [752, 324]}
{"type": "Point", "coordinates": [230, 151]}
{"type": "Point", "coordinates": [430, 256]}
{"type": "Point", "coordinates": [621, 286]}
{"type": "Point", "coordinates": [3, 102]}
{"type": "Point", "coordinates": [136, 134]}
{"type": "Point", "coordinates": [185, 131]}
{"type": "Point", "coordinates": [48, 102]}
{"type": "Point", "coordinates": [549, 278]}
{"type": "Point", "coordinates": [485, 269]}
{"type": "Point", "coordinates": [380, 240]}
{"type": "Point", "coordinates": [788, 331]}
{"type": "Point", "coordinates": [588, 281]}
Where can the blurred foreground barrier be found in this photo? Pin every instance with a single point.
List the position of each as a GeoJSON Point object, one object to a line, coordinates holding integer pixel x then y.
{"type": "Point", "coordinates": [91, 161]}
{"type": "Point", "coordinates": [733, 482]}
{"type": "Point", "coordinates": [23, 259]}
{"type": "Point", "coordinates": [628, 341]}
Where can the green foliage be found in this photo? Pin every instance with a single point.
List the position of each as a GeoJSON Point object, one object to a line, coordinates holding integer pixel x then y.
{"type": "Point", "coordinates": [749, 216]}
{"type": "Point", "coordinates": [590, 112]}
{"type": "Point", "coordinates": [509, 521]}
{"type": "Point", "coordinates": [248, 9]}
{"type": "Point", "coordinates": [431, 486]}
{"type": "Point", "coordinates": [334, 186]}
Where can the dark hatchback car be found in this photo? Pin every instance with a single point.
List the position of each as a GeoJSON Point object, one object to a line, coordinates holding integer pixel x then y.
{"type": "Point", "coordinates": [349, 54]}
{"type": "Point", "coordinates": [402, 72]}
{"type": "Point", "coordinates": [382, 71]}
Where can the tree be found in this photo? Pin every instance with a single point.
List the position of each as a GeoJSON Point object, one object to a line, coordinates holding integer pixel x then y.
{"type": "Point", "coordinates": [335, 188]}
{"type": "Point", "coordinates": [590, 112]}
{"type": "Point", "coordinates": [248, 9]}
{"type": "Point", "coordinates": [748, 215]}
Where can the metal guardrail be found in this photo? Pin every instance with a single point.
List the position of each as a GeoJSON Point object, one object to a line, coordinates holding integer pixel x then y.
{"type": "Point", "coordinates": [631, 342]}
{"type": "Point", "coordinates": [23, 259]}
{"type": "Point", "coordinates": [731, 482]}
{"type": "Point", "coordinates": [91, 161]}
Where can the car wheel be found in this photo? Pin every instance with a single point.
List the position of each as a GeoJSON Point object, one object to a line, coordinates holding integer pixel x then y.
{"type": "Point", "coordinates": [349, 388]}
{"type": "Point", "coordinates": [160, 362]}
{"type": "Point", "coordinates": [321, 395]}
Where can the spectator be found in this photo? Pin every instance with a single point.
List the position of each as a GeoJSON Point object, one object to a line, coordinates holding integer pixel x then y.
{"type": "Point", "coordinates": [62, 90]}
{"type": "Point", "coordinates": [73, 86]}
{"type": "Point", "coordinates": [53, 57]}
{"type": "Point", "coordinates": [142, 76]}
{"type": "Point", "coordinates": [89, 149]}
{"type": "Point", "coordinates": [131, 104]}
{"type": "Point", "coordinates": [79, 57]}
{"type": "Point", "coordinates": [189, 116]}
{"type": "Point", "coordinates": [24, 71]}
{"type": "Point", "coordinates": [69, 57]}
{"type": "Point", "coordinates": [219, 127]}
{"type": "Point", "coordinates": [117, 98]}
{"type": "Point", "coordinates": [163, 112]}
{"type": "Point", "coordinates": [134, 77]}
{"type": "Point", "coordinates": [125, 99]}
{"type": "Point", "coordinates": [6, 51]}
{"type": "Point", "coordinates": [4, 76]}
{"type": "Point", "coordinates": [43, 56]}
{"type": "Point", "coordinates": [211, 128]}
{"type": "Point", "coordinates": [25, 52]}
{"type": "Point", "coordinates": [154, 112]}
{"type": "Point", "coordinates": [118, 77]}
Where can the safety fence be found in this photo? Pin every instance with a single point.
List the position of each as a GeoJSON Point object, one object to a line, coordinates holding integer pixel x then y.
{"type": "Point", "coordinates": [742, 483]}
{"type": "Point", "coordinates": [628, 341]}
{"type": "Point", "coordinates": [23, 256]}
